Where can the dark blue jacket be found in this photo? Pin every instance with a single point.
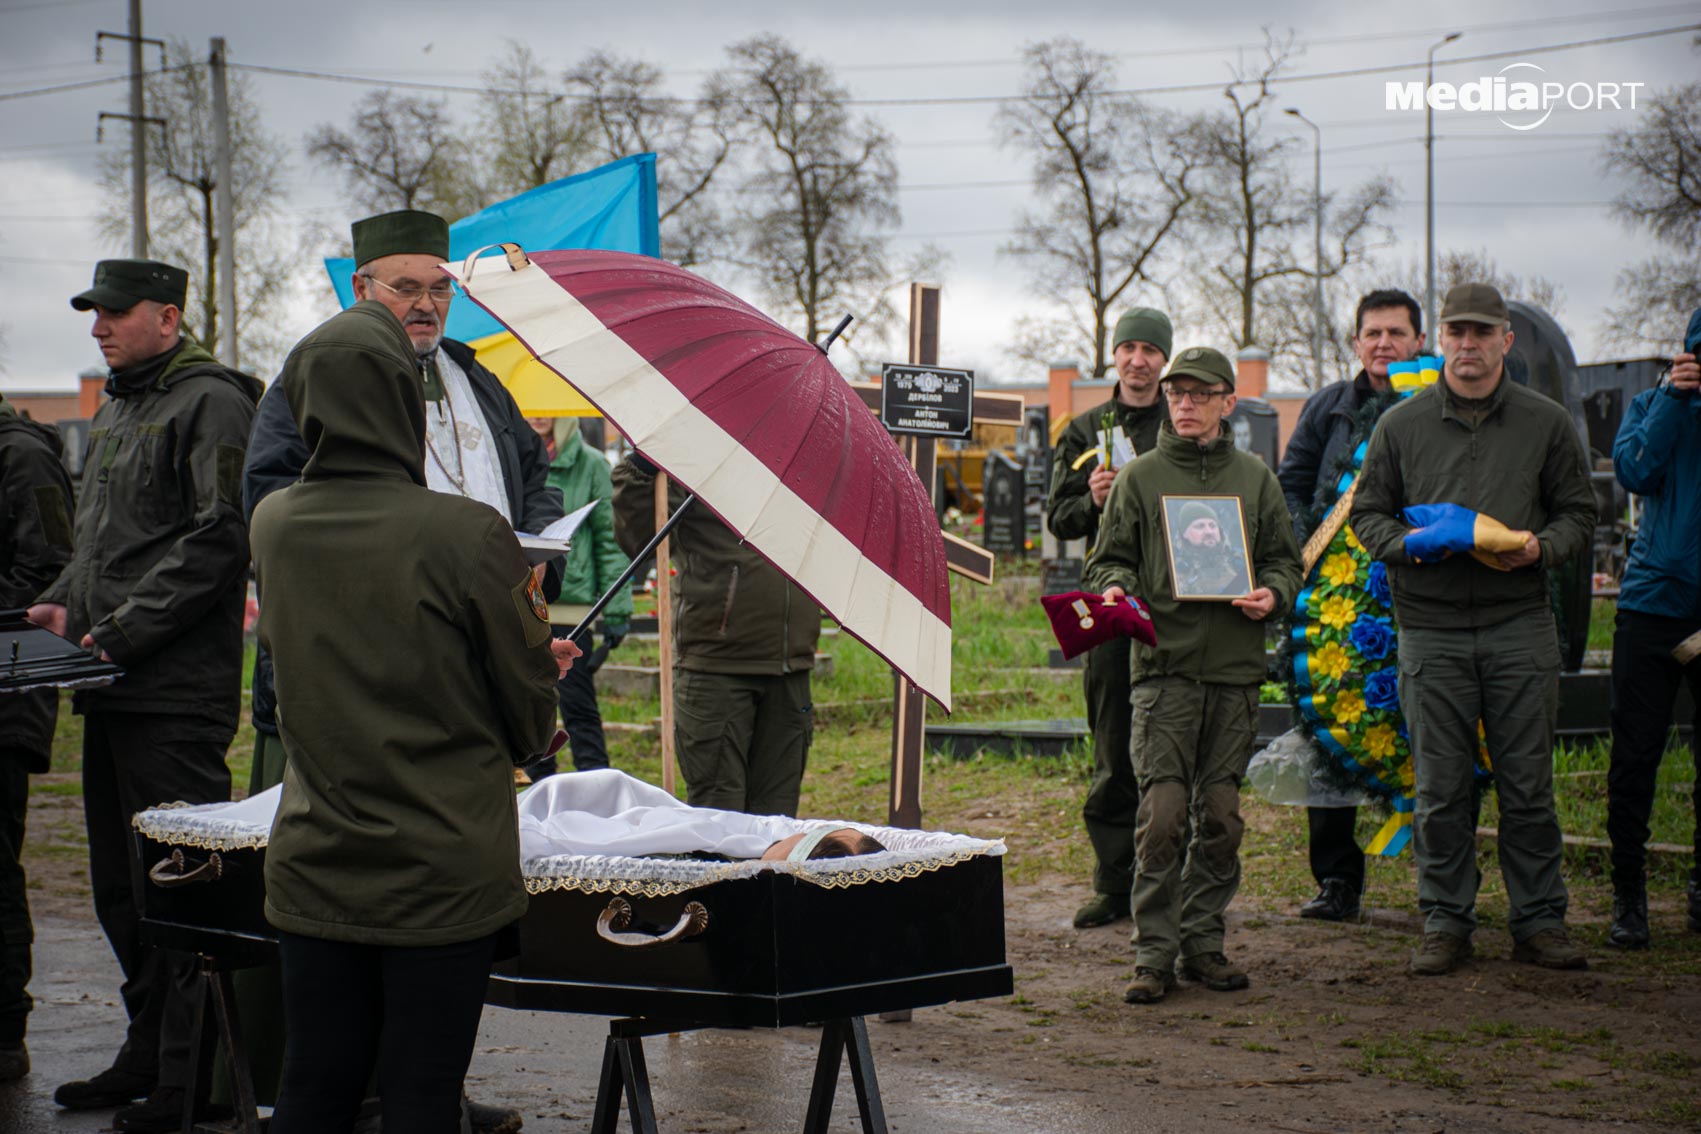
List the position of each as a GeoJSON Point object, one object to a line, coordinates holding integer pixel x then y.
{"type": "Point", "coordinates": [1658, 457]}
{"type": "Point", "coordinates": [1319, 441]}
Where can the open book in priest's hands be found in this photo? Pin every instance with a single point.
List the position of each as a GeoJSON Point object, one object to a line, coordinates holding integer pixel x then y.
{"type": "Point", "coordinates": [554, 540]}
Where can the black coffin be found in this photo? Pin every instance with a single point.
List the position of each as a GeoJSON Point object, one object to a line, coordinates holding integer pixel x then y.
{"type": "Point", "coordinates": [776, 950]}
{"type": "Point", "coordinates": [203, 901]}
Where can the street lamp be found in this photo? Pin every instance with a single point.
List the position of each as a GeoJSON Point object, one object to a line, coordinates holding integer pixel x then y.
{"type": "Point", "coordinates": [1429, 188]}
{"type": "Point", "coordinates": [1317, 252]}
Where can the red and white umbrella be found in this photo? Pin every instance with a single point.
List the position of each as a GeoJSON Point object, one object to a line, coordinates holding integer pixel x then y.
{"type": "Point", "coordinates": [752, 419]}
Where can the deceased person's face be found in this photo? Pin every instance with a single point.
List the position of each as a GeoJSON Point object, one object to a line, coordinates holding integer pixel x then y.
{"type": "Point", "coordinates": [1203, 533]}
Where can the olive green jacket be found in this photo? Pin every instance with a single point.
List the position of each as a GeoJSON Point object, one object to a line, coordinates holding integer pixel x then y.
{"type": "Point", "coordinates": [411, 661]}
{"type": "Point", "coordinates": [1204, 641]}
{"type": "Point", "coordinates": [1523, 465]}
{"type": "Point", "coordinates": [35, 545]}
{"type": "Point", "coordinates": [160, 571]}
{"type": "Point", "coordinates": [733, 612]}
{"type": "Point", "coordinates": [1070, 512]}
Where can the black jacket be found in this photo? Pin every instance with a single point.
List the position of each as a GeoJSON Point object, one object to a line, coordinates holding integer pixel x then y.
{"type": "Point", "coordinates": [1070, 512]}
{"type": "Point", "coordinates": [277, 454]}
{"type": "Point", "coordinates": [160, 571]}
{"type": "Point", "coordinates": [1318, 443]}
{"type": "Point", "coordinates": [35, 545]}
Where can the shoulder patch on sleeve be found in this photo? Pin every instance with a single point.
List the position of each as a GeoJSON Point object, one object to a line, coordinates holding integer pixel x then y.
{"type": "Point", "coordinates": [55, 516]}
{"type": "Point", "coordinates": [230, 458]}
{"type": "Point", "coordinates": [532, 609]}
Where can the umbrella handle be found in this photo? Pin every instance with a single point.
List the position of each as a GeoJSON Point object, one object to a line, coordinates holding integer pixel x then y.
{"type": "Point", "coordinates": [632, 567]}
{"type": "Point", "coordinates": [516, 259]}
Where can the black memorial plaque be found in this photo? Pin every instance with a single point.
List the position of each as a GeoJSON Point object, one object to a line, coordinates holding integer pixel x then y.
{"type": "Point", "coordinates": [1060, 576]}
{"type": "Point", "coordinates": [927, 401]}
{"type": "Point", "coordinates": [1004, 511]}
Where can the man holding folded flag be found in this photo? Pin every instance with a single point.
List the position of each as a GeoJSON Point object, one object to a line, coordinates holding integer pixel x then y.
{"type": "Point", "coordinates": [1472, 489]}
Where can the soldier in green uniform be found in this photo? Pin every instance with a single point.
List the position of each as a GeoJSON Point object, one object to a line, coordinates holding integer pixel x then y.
{"type": "Point", "coordinates": [157, 583]}
{"type": "Point", "coordinates": [1195, 692]}
{"type": "Point", "coordinates": [1121, 428]}
{"type": "Point", "coordinates": [744, 638]}
{"type": "Point", "coordinates": [35, 545]}
{"type": "Point", "coordinates": [411, 653]}
{"type": "Point", "coordinates": [1205, 562]}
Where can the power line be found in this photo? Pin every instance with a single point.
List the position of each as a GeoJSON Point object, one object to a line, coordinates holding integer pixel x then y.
{"type": "Point", "coordinates": [87, 83]}
{"type": "Point", "coordinates": [978, 100]}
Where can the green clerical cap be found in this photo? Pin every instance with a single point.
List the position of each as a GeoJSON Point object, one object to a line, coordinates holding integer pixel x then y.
{"type": "Point", "coordinates": [404, 232]}
{"type": "Point", "coordinates": [1145, 325]}
{"type": "Point", "coordinates": [121, 284]}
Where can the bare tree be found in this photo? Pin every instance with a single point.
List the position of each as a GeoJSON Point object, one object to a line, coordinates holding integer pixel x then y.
{"type": "Point", "coordinates": [1260, 287]}
{"type": "Point", "coordinates": [183, 180]}
{"type": "Point", "coordinates": [531, 135]}
{"type": "Point", "coordinates": [399, 152]}
{"type": "Point", "coordinates": [1116, 179]}
{"type": "Point", "coordinates": [822, 187]}
{"type": "Point", "coordinates": [1659, 164]}
{"type": "Point", "coordinates": [691, 138]}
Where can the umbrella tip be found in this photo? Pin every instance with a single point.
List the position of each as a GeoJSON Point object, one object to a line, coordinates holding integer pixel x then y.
{"type": "Point", "coordinates": [833, 334]}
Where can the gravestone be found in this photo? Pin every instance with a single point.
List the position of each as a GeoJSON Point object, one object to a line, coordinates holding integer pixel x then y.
{"type": "Point", "coordinates": [1004, 505]}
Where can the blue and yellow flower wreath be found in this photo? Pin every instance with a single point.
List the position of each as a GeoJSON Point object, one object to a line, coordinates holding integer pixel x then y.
{"type": "Point", "coordinates": [1342, 650]}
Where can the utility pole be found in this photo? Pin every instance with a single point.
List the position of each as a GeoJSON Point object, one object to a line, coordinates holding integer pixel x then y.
{"type": "Point", "coordinates": [138, 120]}
{"type": "Point", "coordinates": [1429, 190]}
{"type": "Point", "coordinates": [1317, 252]}
{"type": "Point", "coordinates": [224, 202]}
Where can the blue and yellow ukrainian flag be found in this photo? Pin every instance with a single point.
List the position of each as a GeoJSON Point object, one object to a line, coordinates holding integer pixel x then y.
{"type": "Point", "coordinates": [612, 207]}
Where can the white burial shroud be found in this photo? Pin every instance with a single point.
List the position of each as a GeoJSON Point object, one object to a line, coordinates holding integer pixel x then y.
{"type": "Point", "coordinates": [595, 831]}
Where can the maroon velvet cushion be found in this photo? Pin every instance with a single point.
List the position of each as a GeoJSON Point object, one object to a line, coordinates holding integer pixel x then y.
{"type": "Point", "coordinates": [1082, 620]}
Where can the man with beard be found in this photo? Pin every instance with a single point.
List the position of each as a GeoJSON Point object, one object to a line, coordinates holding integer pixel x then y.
{"type": "Point", "coordinates": [157, 583]}
{"type": "Point", "coordinates": [477, 445]}
{"type": "Point", "coordinates": [1388, 328]}
{"type": "Point", "coordinates": [1205, 564]}
{"type": "Point", "coordinates": [1081, 475]}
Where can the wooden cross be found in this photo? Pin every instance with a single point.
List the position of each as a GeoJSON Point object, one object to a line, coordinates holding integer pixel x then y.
{"type": "Point", "coordinates": [964, 558]}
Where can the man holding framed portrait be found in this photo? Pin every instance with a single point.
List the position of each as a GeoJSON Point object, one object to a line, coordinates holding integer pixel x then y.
{"type": "Point", "coordinates": [1201, 532]}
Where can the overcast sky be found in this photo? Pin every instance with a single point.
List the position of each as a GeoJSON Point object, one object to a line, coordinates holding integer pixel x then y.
{"type": "Point", "coordinates": [1535, 200]}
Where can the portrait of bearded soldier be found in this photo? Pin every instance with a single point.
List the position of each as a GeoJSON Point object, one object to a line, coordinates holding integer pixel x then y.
{"type": "Point", "coordinates": [1207, 562]}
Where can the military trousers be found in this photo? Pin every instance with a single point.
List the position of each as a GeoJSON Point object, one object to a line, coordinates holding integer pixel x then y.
{"type": "Point", "coordinates": [743, 739]}
{"type": "Point", "coordinates": [132, 761]}
{"type": "Point", "coordinates": [1113, 799]}
{"type": "Point", "coordinates": [16, 931]}
{"type": "Point", "coordinates": [1192, 741]}
{"type": "Point", "coordinates": [1506, 677]}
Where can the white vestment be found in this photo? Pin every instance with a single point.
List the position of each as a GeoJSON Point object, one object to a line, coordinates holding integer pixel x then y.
{"type": "Point", "coordinates": [460, 454]}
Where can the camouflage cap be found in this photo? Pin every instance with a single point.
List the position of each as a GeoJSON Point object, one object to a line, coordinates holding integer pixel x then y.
{"type": "Point", "coordinates": [121, 284]}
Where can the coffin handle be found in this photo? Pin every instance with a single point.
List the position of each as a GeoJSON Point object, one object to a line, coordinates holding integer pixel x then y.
{"type": "Point", "coordinates": [693, 919]}
{"type": "Point", "coordinates": [169, 872]}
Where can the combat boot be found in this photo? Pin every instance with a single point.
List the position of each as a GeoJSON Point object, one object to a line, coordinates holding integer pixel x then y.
{"type": "Point", "coordinates": [1102, 909]}
{"type": "Point", "coordinates": [1215, 971]}
{"type": "Point", "coordinates": [14, 1061]}
{"type": "Point", "coordinates": [1551, 949]}
{"type": "Point", "coordinates": [1336, 900]}
{"type": "Point", "coordinates": [1148, 985]}
{"type": "Point", "coordinates": [1629, 916]}
{"type": "Point", "coordinates": [1440, 954]}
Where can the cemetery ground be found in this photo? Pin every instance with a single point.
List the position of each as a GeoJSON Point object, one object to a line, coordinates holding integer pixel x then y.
{"type": "Point", "coordinates": [1333, 1035]}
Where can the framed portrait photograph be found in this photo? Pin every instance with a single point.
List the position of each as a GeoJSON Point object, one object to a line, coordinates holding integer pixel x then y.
{"type": "Point", "coordinates": [1206, 537]}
